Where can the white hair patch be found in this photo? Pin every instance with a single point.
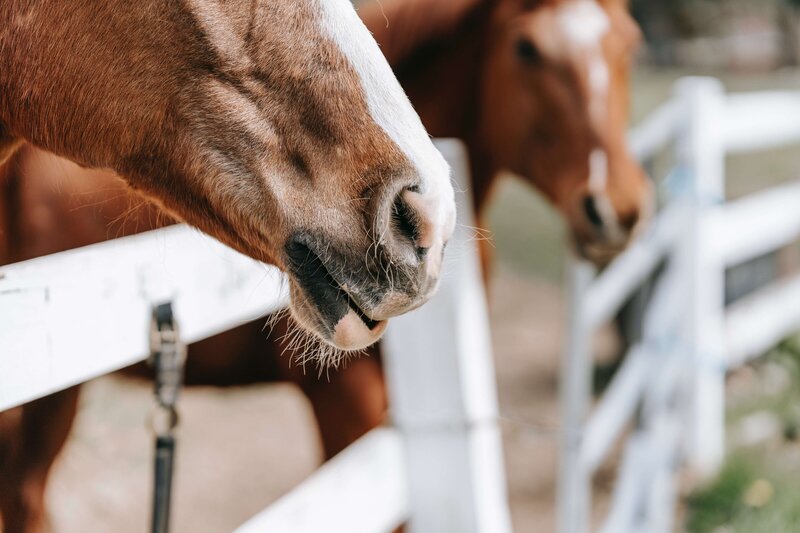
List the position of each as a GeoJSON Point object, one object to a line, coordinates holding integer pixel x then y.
{"type": "Point", "coordinates": [390, 108]}
{"type": "Point", "coordinates": [583, 22]}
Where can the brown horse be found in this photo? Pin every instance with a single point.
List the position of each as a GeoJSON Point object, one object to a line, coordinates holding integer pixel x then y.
{"type": "Point", "coordinates": [275, 126]}
{"type": "Point", "coordinates": [444, 53]}
{"type": "Point", "coordinates": [538, 88]}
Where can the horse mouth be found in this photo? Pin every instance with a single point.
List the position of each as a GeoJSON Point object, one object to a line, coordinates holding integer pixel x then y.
{"type": "Point", "coordinates": [330, 299]}
{"type": "Point", "coordinates": [600, 253]}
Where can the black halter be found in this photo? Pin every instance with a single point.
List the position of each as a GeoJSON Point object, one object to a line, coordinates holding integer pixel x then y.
{"type": "Point", "coordinates": [167, 356]}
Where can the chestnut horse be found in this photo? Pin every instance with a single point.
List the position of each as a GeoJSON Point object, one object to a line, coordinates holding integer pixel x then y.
{"type": "Point", "coordinates": [275, 126]}
{"type": "Point", "coordinates": [467, 65]}
{"type": "Point", "coordinates": [538, 88]}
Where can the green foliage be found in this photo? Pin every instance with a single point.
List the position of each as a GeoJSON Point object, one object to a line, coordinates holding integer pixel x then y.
{"type": "Point", "coordinates": [723, 505]}
{"type": "Point", "coordinates": [726, 504]}
{"type": "Point", "coordinates": [719, 503]}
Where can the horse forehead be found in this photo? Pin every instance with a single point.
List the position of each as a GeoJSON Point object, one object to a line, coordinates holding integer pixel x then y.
{"type": "Point", "coordinates": [582, 22]}
{"type": "Point", "coordinates": [570, 29]}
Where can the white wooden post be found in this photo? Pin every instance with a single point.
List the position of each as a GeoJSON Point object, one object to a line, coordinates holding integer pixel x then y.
{"type": "Point", "coordinates": [574, 483]}
{"type": "Point", "coordinates": [701, 153]}
{"type": "Point", "coordinates": [442, 392]}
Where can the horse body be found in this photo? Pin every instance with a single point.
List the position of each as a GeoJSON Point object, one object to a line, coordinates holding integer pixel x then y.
{"type": "Point", "coordinates": [525, 108]}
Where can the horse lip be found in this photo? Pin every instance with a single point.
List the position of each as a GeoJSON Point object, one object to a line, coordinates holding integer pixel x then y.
{"type": "Point", "coordinates": [330, 293]}
{"type": "Point", "coordinates": [369, 322]}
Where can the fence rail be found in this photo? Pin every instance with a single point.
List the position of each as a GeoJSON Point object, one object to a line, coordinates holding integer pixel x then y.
{"type": "Point", "coordinates": [76, 315]}
{"type": "Point", "coordinates": [363, 490]}
{"type": "Point", "coordinates": [670, 386]}
{"type": "Point", "coordinates": [70, 317]}
{"type": "Point", "coordinates": [757, 224]}
{"type": "Point", "coordinates": [760, 121]}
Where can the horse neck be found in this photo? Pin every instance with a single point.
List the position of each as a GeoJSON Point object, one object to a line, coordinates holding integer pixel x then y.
{"type": "Point", "coordinates": [436, 49]}
{"type": "Point", "coordinates": [9, 216]}
{"type": "Point", "coordinates": [42, 99]}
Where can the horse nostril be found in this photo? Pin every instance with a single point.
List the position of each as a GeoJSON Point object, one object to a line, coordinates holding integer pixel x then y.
{"type": "Point", "coordinates": [629, 220]}
{"type": "Point", "coordinates": [592, 213]}
{"type": "Point", "coordinates": [407, 223]}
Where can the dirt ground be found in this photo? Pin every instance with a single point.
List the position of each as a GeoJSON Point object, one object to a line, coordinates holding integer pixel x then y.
{"type": "Point", "coordinates": [242, 448]}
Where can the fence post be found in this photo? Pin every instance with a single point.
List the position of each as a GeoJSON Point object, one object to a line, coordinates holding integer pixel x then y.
{"type": "Point", "coordinates": [701, 154]}
{"type": "Point", "coordinates": [574, 483]}
{"type": "Point", "coordinates": [442, 392]}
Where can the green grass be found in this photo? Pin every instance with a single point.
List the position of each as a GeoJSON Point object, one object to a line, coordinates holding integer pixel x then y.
{"type": "Point", "coordinates": [784, 403]}
{"type": "Point", "coordinates": [733, 503]}
{"type": "Point", "coordinates": [723, 505]}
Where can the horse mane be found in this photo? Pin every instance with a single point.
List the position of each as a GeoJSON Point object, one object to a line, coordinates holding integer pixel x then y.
{"type": "Point", "coordinates": [404, 27]}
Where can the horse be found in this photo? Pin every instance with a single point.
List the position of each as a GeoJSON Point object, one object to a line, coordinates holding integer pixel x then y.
{"type": "Point", "coordinates": [537, 88]}
{"type": "Point", "coordinates": [275, 126]}
{"type": "Point", "coordinates": [455, 59]}
{"type": "Point", "coordinates": [294, 146]}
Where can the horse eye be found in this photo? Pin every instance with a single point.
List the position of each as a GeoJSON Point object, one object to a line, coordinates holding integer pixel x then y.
{"type": "Point", "coordinates": [527, 52]}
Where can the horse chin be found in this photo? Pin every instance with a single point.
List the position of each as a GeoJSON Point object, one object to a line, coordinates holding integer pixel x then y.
{"type": "Point", "coordinates": [600, 254]}
{"type": "Point", "coordinates": [318, 332]}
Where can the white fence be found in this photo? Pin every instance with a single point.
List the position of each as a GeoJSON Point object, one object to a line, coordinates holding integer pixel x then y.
{"type": "Point", "coordinates": [70, 317]}
{"type": "Point", "coordinates": [669, 392]}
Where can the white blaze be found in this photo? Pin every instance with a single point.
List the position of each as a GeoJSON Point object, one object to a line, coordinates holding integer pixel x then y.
{"type": "Point", "coordinates": [584, 24]}
{"type": "Point", "coordinates": [392, 111]}
{"type": "Point", "coordinates": [598, 171]}
{"type": "Point", "coordinates": [583, 21]}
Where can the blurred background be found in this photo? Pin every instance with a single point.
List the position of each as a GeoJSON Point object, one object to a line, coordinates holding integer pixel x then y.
{"type": "Point", "coordinates": [749, 45]}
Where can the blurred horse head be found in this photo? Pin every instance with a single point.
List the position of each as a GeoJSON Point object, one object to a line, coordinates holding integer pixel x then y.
{"type": "Point", "coordinates": [276, 126]}
{"type": "Point", "coordinates": [536, 87]}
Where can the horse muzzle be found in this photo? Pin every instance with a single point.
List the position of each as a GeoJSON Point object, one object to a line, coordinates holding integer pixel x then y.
{"type": "Point", "coordinates": [345, 294]}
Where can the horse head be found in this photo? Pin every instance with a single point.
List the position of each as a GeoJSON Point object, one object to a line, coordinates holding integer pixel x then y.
{"type": "Point", "coordinates": [555, 110]}
{"type": "Point", "coordinates": [275, 126]}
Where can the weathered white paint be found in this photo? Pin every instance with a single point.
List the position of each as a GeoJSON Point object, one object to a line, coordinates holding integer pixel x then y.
{"type": "Point", "coordinates": [69, 317]}
{"type": "Point", "coordinates": [442, 393]}
{"type": "Point", "coordinates": [755, 225]}
{"type": "Point", "coordinates": [616, 408]}
{"type": "Point", "coordinates": [701, 154]}
{"type": "Point", "coordinates": [761, 120]}
{"type": "Point", "coordinates": [73, 316]}
{"type": "Point", "coordinates": [762, 320]}
{"type": "Point", "coordinates": [574, 492]}
{"type": "Point", "coordinates": [619, 280]}
{"type": "Point", "coordinates": [674, 380]}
